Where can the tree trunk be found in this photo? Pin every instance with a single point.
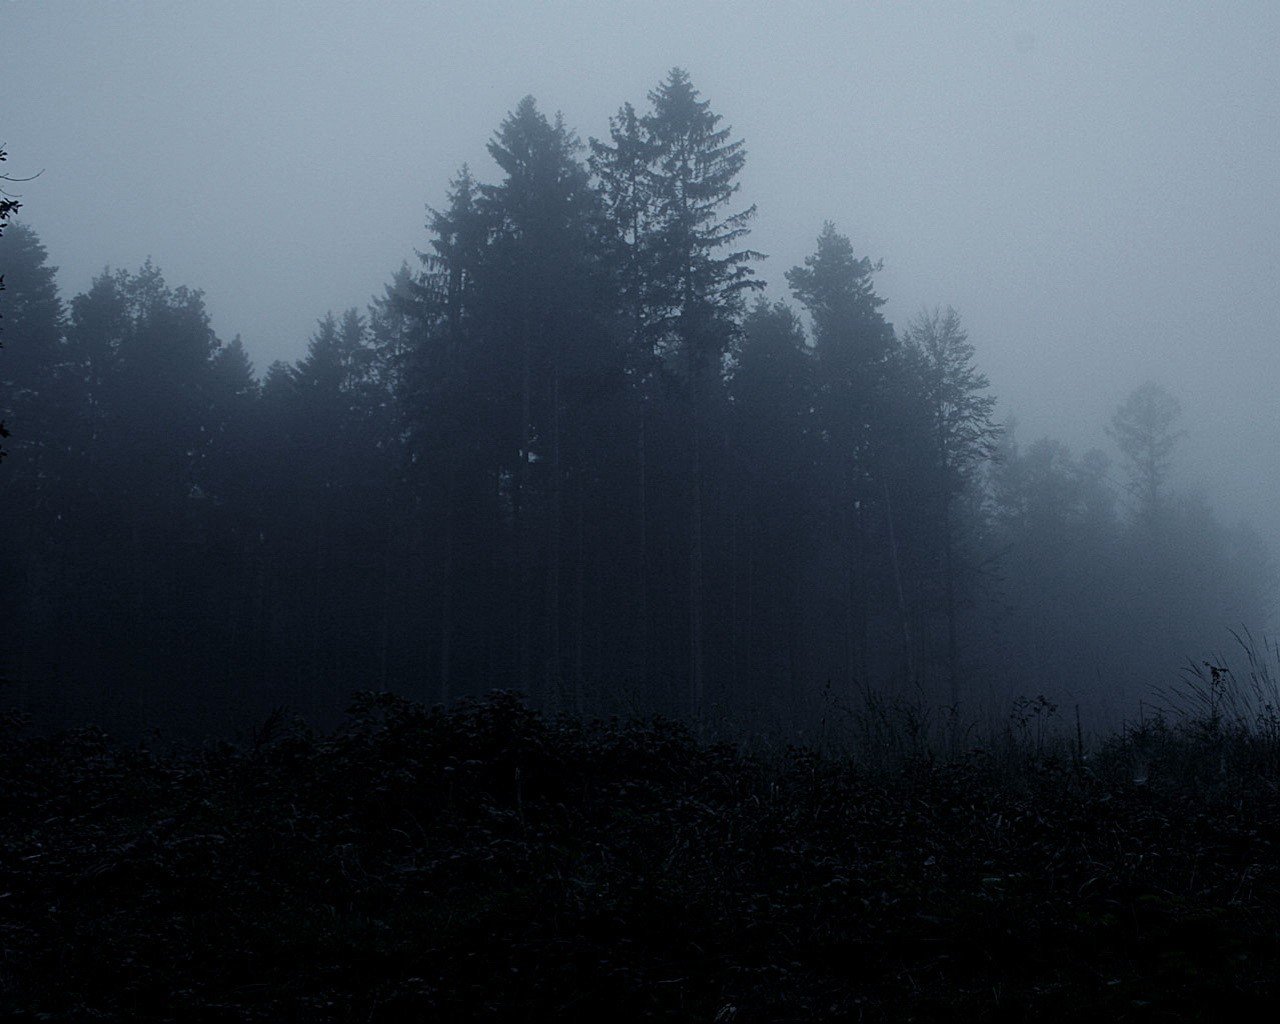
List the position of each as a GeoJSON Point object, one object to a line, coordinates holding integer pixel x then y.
{"type": "Point", "coordinates": [646, 624]}
{"type": "Point", "coordinates": [522, 546]}
{"type": "Point", "coordinates": [953, 645]}
{"type": "Point", "coordinates": [554, 669]}
{"type": "Point", "coordinates": [579, 586]}
{"type": "Point", "coordinates": [446, 589]}
{"type": "Point", "coordinates": [696, 680]}
{"type": "Point", "coordinates": [849, 543]}
{"type": "Point", "coordinates": [907, 654]}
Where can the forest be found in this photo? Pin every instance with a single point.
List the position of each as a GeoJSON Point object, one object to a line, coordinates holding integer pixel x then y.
{"type": "Point", "coordinates": [580, 630]}
{"type": "Point", "coordinates": [573, 450]}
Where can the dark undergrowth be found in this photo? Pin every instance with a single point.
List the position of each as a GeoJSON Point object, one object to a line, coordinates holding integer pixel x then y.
{"type": "Point", "coordinates": [487, 863]}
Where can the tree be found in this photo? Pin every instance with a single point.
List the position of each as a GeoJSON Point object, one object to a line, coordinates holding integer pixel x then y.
{"type": "Point", "coordinates": [34, 319]}
{"type": "Point", "coordinates": [1143, 429]}
{"type": "Point", "coordinates": [1061, 612]}
{"type": "Point", "coordinates": [446, 402]}
{"type": "Point", "coordinates": [697, 287]}
{"type": "Point", "coordinates": [34, 315]}
{"type": "Point", "coordinates": [624, 171]}
{"type": "Point", "coordinates": [537, 285]}
{"type": "Point", "coordinates": [962, 433]}
{"type": "Point", "coordinates": [9, 205]}
{"type": "Point", "coordinates": [850, 334]}
{"type": "Point", "coordinates": [774, 465]}
{"type": "Point", "coordinates": [852, 346]}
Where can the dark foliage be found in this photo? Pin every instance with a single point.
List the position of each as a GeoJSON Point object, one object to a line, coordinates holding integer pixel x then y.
{"type": "Point", "coordinates": [567, 455]}
{"type": "Point", "coordinates": [488, 863]}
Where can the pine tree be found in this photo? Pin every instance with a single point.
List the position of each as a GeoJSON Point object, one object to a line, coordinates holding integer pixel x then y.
{"type": "Point", "coordinates": [696, 285]}
{"type": "Point", "coordinates": [962, 437]}
{"type": "Point", "coordinates": [538, 284]}
{"type": "Point", "coordinates": [33, 322]}
{"type": "Point", "coordinates": [773, 443]}
{"type": "Point", "coordinates": [624, 169]}
{"type": "Point", "coordinates": [446, 399]}
{"type": "Point", "coordinates": [853, 345]}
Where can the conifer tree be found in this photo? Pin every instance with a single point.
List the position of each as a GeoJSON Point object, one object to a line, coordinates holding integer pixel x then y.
{"type": "Point", "coordinates": [962, 437]}
{"type": "Point", "coordinates": [447, 397]}
{"type": "Point", "coordinates": [624, 170]}
{"type": "Point", "coordinates": [774, 462]}
{"type": "Point", "coordinates": [697, 286]}
{"type": "Point", "coordinates": [852, 345]}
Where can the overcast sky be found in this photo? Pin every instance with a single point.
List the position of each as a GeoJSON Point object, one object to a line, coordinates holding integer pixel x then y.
{"type": "Point", "coordinates": [1094, 186]}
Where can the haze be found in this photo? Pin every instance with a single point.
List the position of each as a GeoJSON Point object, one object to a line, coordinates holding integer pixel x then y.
{"type": "Point", "coordinates": [1091, 186]}
{"type": "Point", "coordinates": [432, 592]}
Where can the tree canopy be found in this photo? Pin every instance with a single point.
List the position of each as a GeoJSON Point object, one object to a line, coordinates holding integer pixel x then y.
{"type": "Point", "coordinates": [572, 450]}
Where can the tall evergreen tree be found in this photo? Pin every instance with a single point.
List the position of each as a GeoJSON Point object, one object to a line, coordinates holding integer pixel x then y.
{"type": "Point", "coordinates": [697, 286]}
{"type": "Point", "coordinates": [448, 397]}
{"type": "Point", "coordinates": [32, 325]}
{"type": "Point", "coordinates": [32, 322]}
{"type": "Point", "coordinates": [538, 285]}
{"type": "Point", "coordinates": [852, 344]}
{"type": "Point", "coordinates": [774, 447]}
{"type": "Point", "coordinates": [962, 437]}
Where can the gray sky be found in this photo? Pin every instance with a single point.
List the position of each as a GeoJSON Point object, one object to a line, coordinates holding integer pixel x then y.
{"type": "Point", "coordinates": [1092, 185]}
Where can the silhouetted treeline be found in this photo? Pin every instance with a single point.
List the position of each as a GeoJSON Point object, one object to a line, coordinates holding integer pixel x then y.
{"type": "Point", "coordinates": [573, 452]}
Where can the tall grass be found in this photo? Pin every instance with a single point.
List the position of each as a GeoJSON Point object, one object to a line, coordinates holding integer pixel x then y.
{"type": "Point", "coordinates": [1216, 727]}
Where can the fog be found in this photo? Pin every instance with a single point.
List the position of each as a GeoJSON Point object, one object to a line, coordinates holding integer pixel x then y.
{"type": "Point", "coordinates": [1091, 186]}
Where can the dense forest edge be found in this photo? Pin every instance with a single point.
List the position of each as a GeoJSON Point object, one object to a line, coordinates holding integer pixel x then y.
{"type": "Point", "coordinates": [573, 451]}
{"type": "Point", "coordinates": [765, 588]}
{"type": "Point", "coordinates": [486, 861]}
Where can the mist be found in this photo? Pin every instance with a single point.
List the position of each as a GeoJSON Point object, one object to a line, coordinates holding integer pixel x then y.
{"type": "Point", "coordinates": [1091, 189]}
{"type": "Point", "coordinates": [1091, 194]}
{"type": "Point", "coordinates": [680, 511]}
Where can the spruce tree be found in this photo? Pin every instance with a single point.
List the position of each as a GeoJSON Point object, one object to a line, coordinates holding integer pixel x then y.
{"type": "Point", "coordinates": [962, 438]}
{"type": "Point", "coordinates": [853, 344]}
{"type": "Point", "coordinates": [697, 286]}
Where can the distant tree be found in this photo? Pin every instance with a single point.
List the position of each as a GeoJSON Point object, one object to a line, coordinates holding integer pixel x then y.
{"type": "Point", "coordinates": [1060, 612]}
{"type": "Point", "coordinates": [837, 288]}
{"type": "Point", "coordinates": [1143, 428]}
